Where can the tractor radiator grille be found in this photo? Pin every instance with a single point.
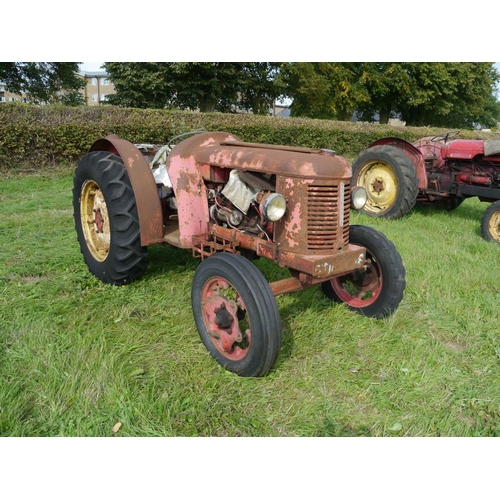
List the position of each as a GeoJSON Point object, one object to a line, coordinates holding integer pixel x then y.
{"type": "Point", "coordinates": [328, 216]}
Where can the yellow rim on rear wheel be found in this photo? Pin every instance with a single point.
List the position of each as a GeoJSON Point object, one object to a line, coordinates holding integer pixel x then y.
{"type": "Point", "coordinates": [494, 226]}
{"type": "Point", "coordinates": [95, 220]}
{"type": "Point", "coordinates": [381, 185]}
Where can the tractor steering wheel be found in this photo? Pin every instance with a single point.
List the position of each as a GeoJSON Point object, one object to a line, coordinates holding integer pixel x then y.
{"type": "Point", "coordinates": [449, 135]}
{"type": "Point", "coordinates": [172, 142]}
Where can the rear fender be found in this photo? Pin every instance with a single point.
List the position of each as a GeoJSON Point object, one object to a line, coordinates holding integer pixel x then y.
{"type": "Point", "coordinates": [143, 184]}
{"type": "Point", "coordinates": [412, 152]}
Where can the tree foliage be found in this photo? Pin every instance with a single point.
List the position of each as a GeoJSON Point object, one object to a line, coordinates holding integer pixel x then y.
{"type": "Point", "coordinates": [39, 82]}
{"type": "Point", "coordinates": [430, 94]}
{"type": "Point", "coordinates": [441, 94]}
{"type": "Point", "coordinates": [434, 93]}
{"type": "Point", "coordinates": [205, 86]}
{"type": "Point", "coordinates": [324, 89]}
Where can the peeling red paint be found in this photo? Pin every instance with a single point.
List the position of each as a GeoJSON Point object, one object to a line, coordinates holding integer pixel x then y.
{"type": "Point", "coordinates": [309, 237]}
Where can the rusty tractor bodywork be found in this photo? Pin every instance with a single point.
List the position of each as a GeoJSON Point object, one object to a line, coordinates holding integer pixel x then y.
{"type": "Point", "coordinates": [440, 171]}
{"type": "Point", "coordinates": [228, 202]}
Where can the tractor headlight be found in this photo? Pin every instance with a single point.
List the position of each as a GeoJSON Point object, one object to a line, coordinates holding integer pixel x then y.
{"type": "Point", "coordinates": [358, 197]}
{"type": "Point", "coordinates": [273, 207]}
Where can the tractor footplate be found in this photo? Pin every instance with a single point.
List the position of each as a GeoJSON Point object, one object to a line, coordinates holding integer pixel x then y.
{"type": "Point", "coordinates": [207, 244]}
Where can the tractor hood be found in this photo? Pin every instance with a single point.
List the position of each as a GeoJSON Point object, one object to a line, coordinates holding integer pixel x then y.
{"type": "Point", "coordinates": [209, 150]}
{"type": "Point", "coordinates": [467, 149]}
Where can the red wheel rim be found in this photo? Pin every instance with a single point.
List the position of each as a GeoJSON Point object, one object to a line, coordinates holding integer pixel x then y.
{"type": "Point", "coordinates": [360, 288]}
{"type": "Point", "coordinates": [225, 318]}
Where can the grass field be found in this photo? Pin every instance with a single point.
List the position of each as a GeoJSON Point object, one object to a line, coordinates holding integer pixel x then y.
{"type": "Point", "coordinates": [80, 358]}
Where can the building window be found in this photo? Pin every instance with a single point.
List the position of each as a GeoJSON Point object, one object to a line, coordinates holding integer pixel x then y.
{"type": "Point", "coordinates": [104, 81]}
{"type": "Point", "coordinates": [94, 81]}
{"type": "Point", "coordinates": [12, 99]}
{"type": "Point", "coordinates": [2, 88]}
{"type": "Point", "coordinates": [2, 99]}
{"type": "Point", "coordinates": [104, 97]}
{"type": "Point", "coordinates": [94, 97]}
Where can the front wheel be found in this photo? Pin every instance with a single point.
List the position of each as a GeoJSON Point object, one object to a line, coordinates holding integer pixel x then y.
{"type": "Point", "coordinates": [377, 290]}
{"type": "Point", "coordinates": [236, 314]}
{"type": "Point", "coordinates": [490, 223]}
{"type": "Point", "coordinates": [390, 180]}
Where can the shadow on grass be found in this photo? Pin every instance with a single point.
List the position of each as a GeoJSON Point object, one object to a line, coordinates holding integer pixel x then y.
{"type": "Point", "coordinates": [331, 428]}
{"type": "Point", "coordinates": [465, 211]}
{"type": "Point", "coordinates": [164, 260]}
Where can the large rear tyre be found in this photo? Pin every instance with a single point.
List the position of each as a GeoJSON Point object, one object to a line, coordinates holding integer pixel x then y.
{"type": "Point", "coordinates": [490, 223]}
{"type": "Point", "coordinates": [236, 314]}
{"type": "Point", "coordinates": [390, 180]}
{"type": "Point", "coordinates": [377, 290]}
{"type": "Point", "coordinates": [106, 220]}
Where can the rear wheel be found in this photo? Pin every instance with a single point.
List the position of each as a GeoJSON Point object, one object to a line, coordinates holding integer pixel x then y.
{"type": "Point", "coordinates": [490, 223]}
{"type": "Point", "coordinates": [236, 314]}
{"type": "Point", "coordinates": [377, 290]}
{"type": "Point", "coordinates": [106, 220]}
{"type": "Point", "coordinates": [390, 180]}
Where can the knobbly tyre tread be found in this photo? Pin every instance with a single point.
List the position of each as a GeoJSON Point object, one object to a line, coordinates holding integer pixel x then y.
{"type": "Point", "coordinates": [405, 172]}
{"type": "Point", "coordinates": [127, 259]}
{"type": "Point", "coordinates": [393, 272]}
{"type": "Point", "coordinates": [261, 307]}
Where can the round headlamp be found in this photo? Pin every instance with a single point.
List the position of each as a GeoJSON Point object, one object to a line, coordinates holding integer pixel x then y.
{"type": "Point", "coordinates": [273, 207]}
{"type": "Point", "coordinates": [358, 197]}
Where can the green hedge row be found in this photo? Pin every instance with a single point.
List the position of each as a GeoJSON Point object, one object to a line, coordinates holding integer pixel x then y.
{"type": "Point", "coordinates": [57, 134]}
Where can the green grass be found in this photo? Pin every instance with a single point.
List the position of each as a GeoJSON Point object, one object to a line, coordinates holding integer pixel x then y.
{"type": "Point", "coordinates": [78, 356]}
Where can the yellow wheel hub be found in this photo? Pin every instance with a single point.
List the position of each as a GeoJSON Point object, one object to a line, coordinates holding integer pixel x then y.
{"type": "Point", "coordinates": [95, 220]}
{"type": "Point", "coordinates": [494, 226]}
{"type": "Point", "coordinates": [381, 185]}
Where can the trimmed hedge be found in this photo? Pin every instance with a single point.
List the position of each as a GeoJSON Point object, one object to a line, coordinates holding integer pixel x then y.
{"type": "Point", "coordinates": [57, 134]}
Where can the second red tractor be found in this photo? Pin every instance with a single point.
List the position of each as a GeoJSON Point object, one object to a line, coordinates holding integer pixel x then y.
{"type": "Point", "coordinates": [433, 170]}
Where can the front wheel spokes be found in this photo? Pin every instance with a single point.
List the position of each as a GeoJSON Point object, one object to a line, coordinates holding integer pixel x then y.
{"type": "Point", "coordinates": [225, 319]}
{"type": "Point", "coordinates": [362, 285]}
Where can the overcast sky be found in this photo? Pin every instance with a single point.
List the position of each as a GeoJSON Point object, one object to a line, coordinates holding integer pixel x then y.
{"type": "Point", "coordinates": [91, 66]}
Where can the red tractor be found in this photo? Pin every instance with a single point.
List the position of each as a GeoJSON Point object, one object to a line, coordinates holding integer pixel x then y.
{"type": "Point", "coordinates": [433, 170]}
{"type": "Point", "coordinates": [228, 202]}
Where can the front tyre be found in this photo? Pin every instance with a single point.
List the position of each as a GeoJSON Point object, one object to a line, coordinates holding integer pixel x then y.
{"type": "Point", "coordinates": [490, 223]}
{"type": "Point", "coordinates": [377, 290]}
{"type": "Point", "coordinates": [236, 314]}
{"type": "Point", "coordinates": [106, 219]}
{"type": "Point", "coordinates": [390, 180]}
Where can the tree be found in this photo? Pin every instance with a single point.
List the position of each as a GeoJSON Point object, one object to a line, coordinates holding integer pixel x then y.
{"type": "Point", "coordinates": [262, 85]}
{"type": "Point", "coordinates": [140, 85]}
{"type": "Point", "coordinates": [431, 94]}
{"type": "Point", "coordinates": [207, 86]}
{"type": "Point", "coordinates": [324, 89]}
{"type": "Point", "coordinates": [44, 81]}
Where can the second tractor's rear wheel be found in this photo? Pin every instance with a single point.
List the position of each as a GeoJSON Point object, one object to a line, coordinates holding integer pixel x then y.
{"type": "Point", "coordinates": [490, 223]}
{"type": "Point", "coordinates": [236, 314]}
{"type": "Point", "coordinates": [390, 180]}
